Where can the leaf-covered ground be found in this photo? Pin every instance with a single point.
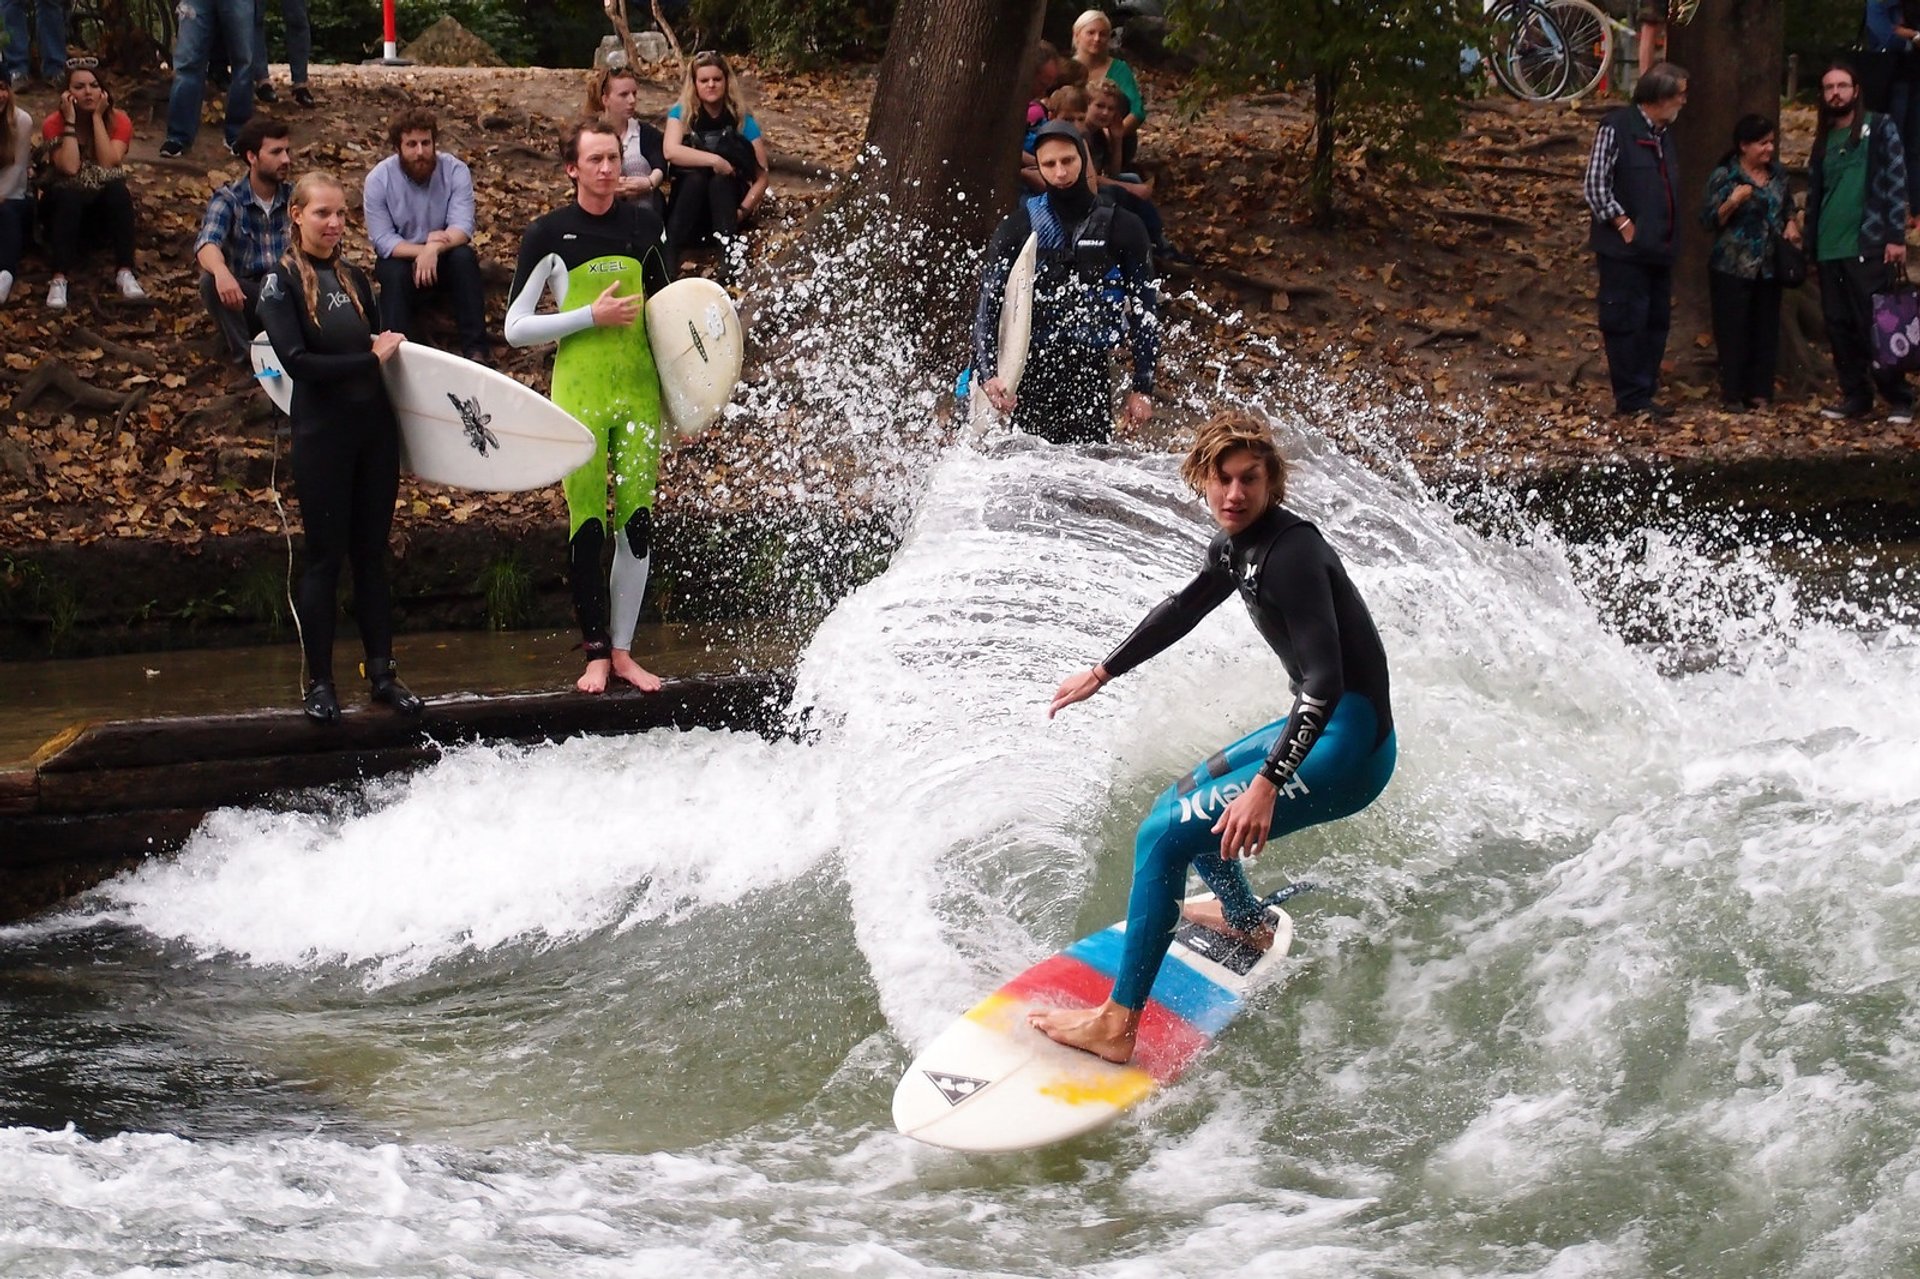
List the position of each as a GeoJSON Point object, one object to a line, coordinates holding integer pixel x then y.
{"type": "Point", "coordinates": [1465, 304]}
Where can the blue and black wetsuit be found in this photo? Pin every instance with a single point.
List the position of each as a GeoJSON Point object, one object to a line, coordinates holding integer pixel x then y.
{"type": "Point", "coordinates": [1093, 289]}
{"type": "Point", "coordinates": [1330, 757]}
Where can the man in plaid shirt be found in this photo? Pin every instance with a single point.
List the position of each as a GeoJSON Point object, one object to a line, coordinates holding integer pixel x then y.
{"type": "Point", "coordinates": [245, 233]}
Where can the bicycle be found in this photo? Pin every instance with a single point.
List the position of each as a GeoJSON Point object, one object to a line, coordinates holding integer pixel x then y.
{"type": "Point", "coordinates": [1530, 57]}
{"type": "Point", "coordinates": [1590, 33]}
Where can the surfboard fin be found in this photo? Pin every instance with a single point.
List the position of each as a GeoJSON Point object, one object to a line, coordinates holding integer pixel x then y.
{"type": "Point", "coordinates": [1287, 894]}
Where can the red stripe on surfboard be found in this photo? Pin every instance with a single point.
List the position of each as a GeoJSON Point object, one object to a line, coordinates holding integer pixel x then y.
{"type": "Point", "coordinates": [1166, 1044]}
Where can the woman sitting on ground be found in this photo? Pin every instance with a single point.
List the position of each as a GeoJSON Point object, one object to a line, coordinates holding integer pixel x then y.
{"type": "Point", "coordinates": [318, 309]}
{"type": "Point", "coordinates": [1748, 207]}
{"type": "Point", "coordinates": [643, 159]}
{"type": "Point", "coordinates": [1093, 49]}
{"type": "Point", "coordinates": [718, 155]}
{"type": "Point", "coordinates": [89, 137]}
{"type": "Point", "coordinates": [16, 195]}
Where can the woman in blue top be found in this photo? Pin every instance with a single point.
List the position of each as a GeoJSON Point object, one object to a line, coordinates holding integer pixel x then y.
{"type": "Point", "coordinates": [1748, 207]}
{"type": "Point", "coordinates": [719, 158]}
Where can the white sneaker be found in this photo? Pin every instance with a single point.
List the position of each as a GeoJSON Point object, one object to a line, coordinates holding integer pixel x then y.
{"type": "Point", "coordinates": [129, 287]}
{"type": "Point", "coordinates": [6, 285]}
{"type": "Point", "coordinates": [57, 295]}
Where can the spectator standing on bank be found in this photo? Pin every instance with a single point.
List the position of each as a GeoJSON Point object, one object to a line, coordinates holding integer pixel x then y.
{"type": "Point", "coordinates": [199, 21]}
{"type": "Point", "coordinates": [87, 196]}
{"type": "Point", "coordinates": [419, 210]}
{"type": "Point", "coordinates": [719, 157]}
{"type": "Point", "coordinates": [50, 17]}
{"type": "Point", "coordinates": [1631, 194]}
{"type": "Point", "coordinates": [245, 233]}
{"type": "Point", "coordinates": [1093, 49]}
{"type": "Point", "coordinates": [1749, 209]}
{"type": "Point", "coordinates": [293, 18]}
{"type": "Point", "coordinates": [1889, 35]}
{"type": "Point", "coordinates": [614, 93]}
{"type": "Point", "coordinates": [16, 192]}
{"type": "Point", "coordinates": [1857, 235]}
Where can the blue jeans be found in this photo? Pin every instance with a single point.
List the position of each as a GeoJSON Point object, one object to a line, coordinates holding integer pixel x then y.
{"type": "Point", "coordinates": [293, 15]}
{"type": "Point", "coordinates": [51, 17]}
{"type": "Point", "coordinates": [199, 19]}
{"type": "Point", "coordinates": [1343, 773]}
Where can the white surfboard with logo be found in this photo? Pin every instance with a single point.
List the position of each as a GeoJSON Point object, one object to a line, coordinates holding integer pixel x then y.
{"type": "Point", "coordinates": [698, 348]}
{"type": "Point", "coordinates": [462, 424]}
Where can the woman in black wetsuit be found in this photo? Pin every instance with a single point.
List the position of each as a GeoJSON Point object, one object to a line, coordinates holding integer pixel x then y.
{"type": "Point", "coordinates": [316, 308]}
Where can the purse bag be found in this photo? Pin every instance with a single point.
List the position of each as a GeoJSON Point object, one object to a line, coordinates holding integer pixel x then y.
{"type": "Point", "coordinates": [1896, 326]}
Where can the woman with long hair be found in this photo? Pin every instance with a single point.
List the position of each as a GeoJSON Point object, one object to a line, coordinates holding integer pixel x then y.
{"type": "Point", "coordinates": [1748, 208]}
{"type": "Point", "coordinates": [612, 93]}
{"type": "Point", "coordinates": [1093, 49]}
{"type": "Point", "coordinates": [319, 311]}
{"type": "Point", "coordinates": [718, 155]}
{"type": "Point", "coordinates": [16, 195]}
{"type": "Point", "coordinates": [90, 137]}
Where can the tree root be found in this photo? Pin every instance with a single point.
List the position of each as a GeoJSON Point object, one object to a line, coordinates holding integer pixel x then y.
{"type": "Point", "coordinates": [118, 350]}
{"type": "Point", "coordinates": [54, 374]}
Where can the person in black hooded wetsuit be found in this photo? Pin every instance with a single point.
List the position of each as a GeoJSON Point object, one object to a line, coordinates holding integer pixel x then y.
{"type": "Point", "coordinates": [318, 311]}
{"type": "Point", "coordinates": [1329, 758]}
{"type": "Point", "coordinates": [1093, 287]}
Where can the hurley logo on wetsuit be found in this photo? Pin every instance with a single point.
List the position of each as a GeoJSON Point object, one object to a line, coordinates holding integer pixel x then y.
{"type": "Point", "coordinates": [1309, 723]}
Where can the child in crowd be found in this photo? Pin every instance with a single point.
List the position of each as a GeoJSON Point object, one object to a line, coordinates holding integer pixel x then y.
{"type": "Point", "coordinates": [89, 138]}
{"type": "Point", "coordinates": [1067, 104]}
{"type": "Point", "coordinates": [1110, 149]}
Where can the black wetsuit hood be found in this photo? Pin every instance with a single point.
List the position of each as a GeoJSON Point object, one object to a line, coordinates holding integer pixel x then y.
{"type": "Point", "coordinates": [1071, 206]}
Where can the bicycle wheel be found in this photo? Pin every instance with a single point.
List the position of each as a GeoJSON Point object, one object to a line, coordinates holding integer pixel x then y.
{"type": "Point", "coordinates": [1529, 56]}
{"type": "Point", "coordinates": [1589, 37]}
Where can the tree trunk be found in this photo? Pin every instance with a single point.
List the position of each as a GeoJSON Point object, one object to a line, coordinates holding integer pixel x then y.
{"type": "Point", "coordinates": [943, 133]}
{"type": "Point", "coordinates": [1326, 88]}
{"type": "Point", "coordinates": [1734, 52]}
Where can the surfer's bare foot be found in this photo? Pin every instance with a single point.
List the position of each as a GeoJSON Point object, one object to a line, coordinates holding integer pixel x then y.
{"type": "Point", "coordinates": [594, 678]}
{"type": "Point", "coordinates": [1107, 1031]}
{"type": "Point", "coordinates": [635, 674]}
{"type": "Point", "coordinates": [1210, 916]}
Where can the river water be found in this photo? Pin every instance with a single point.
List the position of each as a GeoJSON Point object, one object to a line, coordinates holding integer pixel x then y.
{"type": "Point", "coordinates": [1618, 978]}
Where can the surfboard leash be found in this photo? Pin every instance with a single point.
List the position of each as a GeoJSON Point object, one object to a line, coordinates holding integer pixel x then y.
{"type": "Point", "coordinates": [286, 531]}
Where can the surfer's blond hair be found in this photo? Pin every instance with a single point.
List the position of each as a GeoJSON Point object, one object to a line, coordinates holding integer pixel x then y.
{"type": "Point", "coordinates": [1227, 432]}
{"type": "Point", "coordinates": [297, 259]}
{"type": "Point", "coordinates": [690, 100]}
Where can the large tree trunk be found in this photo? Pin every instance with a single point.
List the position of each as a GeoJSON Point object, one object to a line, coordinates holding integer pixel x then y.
{"type": "Point", "coordinates": [943, 133]}
{"type": "Point", "coordinates": [1734, 52]}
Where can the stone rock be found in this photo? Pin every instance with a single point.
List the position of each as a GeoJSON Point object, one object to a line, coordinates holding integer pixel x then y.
{"type": "Point", "coordinates": [448, 44]}
{"type": "Point", "coordinates": [650, 45]}
{"type": "Point", "coordinates": [16, 461]}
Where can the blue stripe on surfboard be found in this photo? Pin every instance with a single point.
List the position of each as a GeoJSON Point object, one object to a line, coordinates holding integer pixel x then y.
{"type": "Point", "coordinates": [1202, 1003]}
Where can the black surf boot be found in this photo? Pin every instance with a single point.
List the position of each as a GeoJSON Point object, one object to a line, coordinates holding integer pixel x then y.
{"type": "Point", "coordinates": [321, 705]}
{"type": "Point", "coordinates": [387, 687]}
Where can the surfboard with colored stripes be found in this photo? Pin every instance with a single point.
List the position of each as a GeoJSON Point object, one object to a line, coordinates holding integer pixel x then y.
{"type": "Point", "coordinates": [990, 1083]}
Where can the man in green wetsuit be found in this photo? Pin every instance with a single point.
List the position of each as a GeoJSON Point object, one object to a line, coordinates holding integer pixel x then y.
{"type": "Point", "coordinates": [601, 257]}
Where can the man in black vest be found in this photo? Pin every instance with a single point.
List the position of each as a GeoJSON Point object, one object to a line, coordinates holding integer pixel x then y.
{"type": "Point", "coordinates": [1857, 236]}
{"type": "Point", "coordinates": [1632, 190]}
{"type": "Point", "coordinates": [1093, 289]}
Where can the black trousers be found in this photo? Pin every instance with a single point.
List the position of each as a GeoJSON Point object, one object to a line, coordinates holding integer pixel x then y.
{"type": "Point", "coordinates": [1066, 395]}
{"type": "Point", "coordinates": [704, 203]}
{"type": "Point", "coordinates": [1746, 334]}
{"type": "Point", "coordinates": [16, 225]}
{"type": "Point", "coordinates": [1636, 309]}
{"type": "Point", "coordinates": [236, 327]}
{"type": "Point", "coordinates": [1846, 303]}
{"type": "Point", "coordinates": [458, 281]}
{"type": "Point", "coordinates": [72, 212]}
{"type": "Point", "coordinates": [346, 475]}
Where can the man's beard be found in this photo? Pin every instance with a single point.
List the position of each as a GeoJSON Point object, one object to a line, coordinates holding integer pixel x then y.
{"type": "Point", "coordinates": [419, 170]}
